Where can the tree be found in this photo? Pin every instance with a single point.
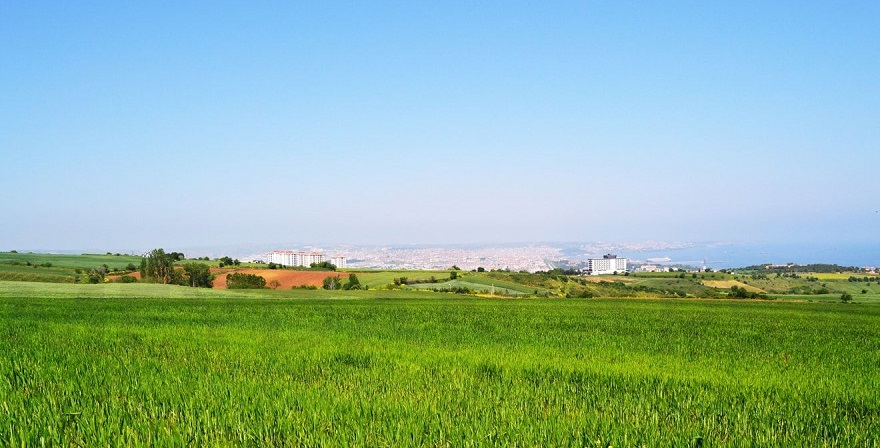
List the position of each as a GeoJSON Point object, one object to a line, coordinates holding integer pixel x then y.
{"type": "Point", "coordinates": [353, 282]}
{"type": "Point", "coordinates": [176, 256]}
{"type": "Point", "coordinates": [198, 275]}
{"type": "Point", "coordinates": [845, 297]}
{"type": "Point", "coordinates": [157, 267]}
{"type": "Point", "coordinates": [453, 275]}
{"type": "Point", "coordinates": [331, 283]}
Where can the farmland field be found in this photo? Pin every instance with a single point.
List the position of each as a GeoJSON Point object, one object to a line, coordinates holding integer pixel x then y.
{"type": "Point", "coordinates": [286, 278]}
{"type": "Point", "coordinates": [71, 261]}
{"type": "Point", "coordinates": [123, 365]}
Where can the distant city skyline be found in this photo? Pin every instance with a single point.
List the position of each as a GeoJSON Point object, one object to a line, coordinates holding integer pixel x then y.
{"type": "Point", "coordinates": [184, 125]}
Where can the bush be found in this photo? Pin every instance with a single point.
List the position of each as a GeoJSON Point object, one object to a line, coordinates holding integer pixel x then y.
{"type": "Point", "coordinates": [353, 282]}
{"type": "Point", "coordinates": [332, 283]}
{"type": "Point", "coordinates": [323, 266]}
{"type": "Point", "coordinates": [245, 281]}
{"type": "Point", "coordinates": [126, 279]}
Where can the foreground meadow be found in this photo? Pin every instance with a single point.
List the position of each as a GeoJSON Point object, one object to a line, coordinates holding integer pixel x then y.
{"type": "Point", "coordinates": [149, 365]}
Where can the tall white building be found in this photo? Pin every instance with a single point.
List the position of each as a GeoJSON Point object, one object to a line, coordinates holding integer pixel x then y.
{"type": "Point", "coordinates": [339, 261]}
{"type": "Point", "coordinates": [291, 258]}
{"type": "Point", "coordinates": [608, 264]}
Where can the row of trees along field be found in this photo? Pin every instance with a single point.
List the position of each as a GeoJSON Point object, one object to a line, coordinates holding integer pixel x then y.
{"type": "Point", "coordinates": [158, 267]}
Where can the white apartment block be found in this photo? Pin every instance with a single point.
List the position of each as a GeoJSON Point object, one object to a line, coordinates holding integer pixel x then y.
{"type": "Point", "coordinates": [339, 261]}
{"type": "Point", "coordinates": [292, 258]}
{"type": "Point", "coordinates": [608, 264]}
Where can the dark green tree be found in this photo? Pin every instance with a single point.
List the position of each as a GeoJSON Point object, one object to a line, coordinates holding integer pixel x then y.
{"type": "Point", "coordinates": [198, 275]}
{"type": "Point", "coordinates": [157, 267]}
{"type": "Point", "coordinates": [332, 283]}
{"type": "Point", "coordinates": [353, 282]}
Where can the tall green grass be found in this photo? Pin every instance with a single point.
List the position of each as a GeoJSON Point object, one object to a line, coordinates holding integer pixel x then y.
{"type": "Point", "coordinates": [140, 365]}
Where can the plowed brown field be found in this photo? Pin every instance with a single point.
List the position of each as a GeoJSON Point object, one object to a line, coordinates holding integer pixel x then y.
{"type": "Point", "coordinates": [286, 278]}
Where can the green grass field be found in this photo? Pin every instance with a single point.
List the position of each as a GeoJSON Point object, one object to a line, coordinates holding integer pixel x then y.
{"type": "Point", "coordinates": [84, 261]}
{"type": "Point", "coordinates": [153, 365]}
{"type": "Point", "coordinates": [477, 288]}
{"type": "Point", "coordinates": [380, 279]}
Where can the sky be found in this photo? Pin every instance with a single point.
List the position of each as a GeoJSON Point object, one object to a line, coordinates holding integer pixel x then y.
{"type": "Point", "coordinates": [181, 124]}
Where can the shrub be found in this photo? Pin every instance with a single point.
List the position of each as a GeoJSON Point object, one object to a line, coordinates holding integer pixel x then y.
{"type": "Point", "coordinates": [245, 281]}
{"type": "Point", "coordinates": [332, 283]}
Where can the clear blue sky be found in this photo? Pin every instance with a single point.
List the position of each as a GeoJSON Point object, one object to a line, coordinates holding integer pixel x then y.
{"type": "Point", "coordinates": [178, 124]}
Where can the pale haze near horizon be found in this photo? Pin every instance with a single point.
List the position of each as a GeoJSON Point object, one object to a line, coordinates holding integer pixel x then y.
{"type": "Point", "coordinates": [132, 126]}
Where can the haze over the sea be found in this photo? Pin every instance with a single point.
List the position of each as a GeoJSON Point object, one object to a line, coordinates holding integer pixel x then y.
{"type": "Point", "coordinates": [134, 125]}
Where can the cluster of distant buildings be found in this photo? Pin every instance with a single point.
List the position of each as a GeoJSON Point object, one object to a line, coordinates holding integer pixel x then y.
{"type": "Point", "coordinates": [303, 259]}
{"type": "Point", "coordinates": [607, 264]}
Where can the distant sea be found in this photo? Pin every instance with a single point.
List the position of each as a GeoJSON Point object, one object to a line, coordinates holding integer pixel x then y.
{"type": "Point", "coordinates": [739, 255]}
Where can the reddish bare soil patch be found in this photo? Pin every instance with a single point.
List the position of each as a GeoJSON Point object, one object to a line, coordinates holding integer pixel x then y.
{"type": "Point", "coordinates": [286, 278]}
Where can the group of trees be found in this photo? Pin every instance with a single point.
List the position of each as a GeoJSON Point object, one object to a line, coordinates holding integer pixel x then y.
{"type": "Point", "coordinates": [323, 266]}
{"type": "Point", "coordinates": [399, 281]}
{"type": "Point", "coordinates": [93, 276]}
{"type": "Point", "coordinates": [227, 261]}
{"type": "Point", "coordinates": [238, 280]}
{"type": "Point", "coordinates": [158, 267]}
{"type": "Point", "coordinates": [865, 279]}
{"type": "Point", "coordinates": [333, 283]}
{"type": "Point", "coordinates": [737, 292]}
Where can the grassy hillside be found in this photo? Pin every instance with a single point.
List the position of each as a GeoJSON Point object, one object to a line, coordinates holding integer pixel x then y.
{"type": "Point", "coordinates": [476, 288]}
{"type": "Point", "coordinates": [153, 365]}
{"type": "Point", "coordinates": [56, 268]}
{"type": "Point", "coordinates": [84, 261]}
{"type": "Point", "coordinates": [381, 279]}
